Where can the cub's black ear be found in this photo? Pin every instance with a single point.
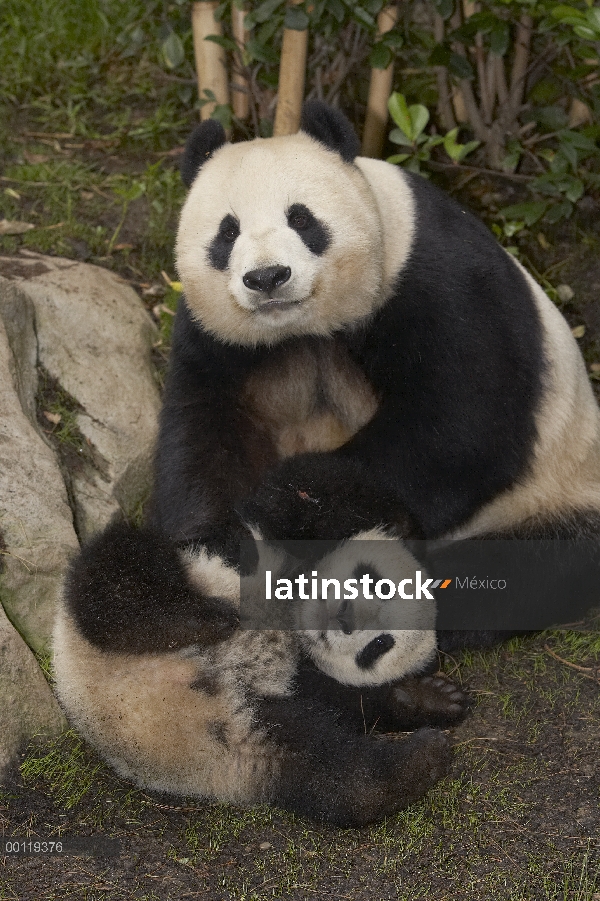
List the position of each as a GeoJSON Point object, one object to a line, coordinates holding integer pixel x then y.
{"type": "Point", "coordinates": [201, 145]}
{"type": "Point", "coordinates": [331, 128]}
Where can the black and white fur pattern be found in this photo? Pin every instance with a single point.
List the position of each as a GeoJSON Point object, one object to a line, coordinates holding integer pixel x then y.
{"type": "Point", "coordinates": [157, 675]}
{"type": "Point", "coordinates": [354, 352]}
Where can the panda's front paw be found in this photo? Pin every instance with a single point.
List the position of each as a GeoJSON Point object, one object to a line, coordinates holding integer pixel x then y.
{"type": "Point", "coordinates": [428, 701]}
{"type": "Point", "coordinates": [323, 497]}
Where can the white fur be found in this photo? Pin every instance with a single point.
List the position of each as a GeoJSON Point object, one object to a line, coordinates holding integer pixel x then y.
{"type": "Point", "coordinates": [257, 182]}
{"type": "Point", "coordinates": [335, 652]}
{"type": "Point", "coordinates": [565, 471]}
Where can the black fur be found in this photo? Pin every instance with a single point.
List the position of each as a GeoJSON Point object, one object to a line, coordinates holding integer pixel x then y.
{"type": "Point", "coordinates": [127, 591]}
{"type": "Point", "coordinates": [201, 145]}
{"type": "Point", "coordinates": [376, 648]}
{"type": "Point", "coordinates": [457, 357]}
{"type": "Point", "coordinates": [331, 128]}
{"type": "Point", "coordinates": [336, 771]}
{"type": "Point", "coordinates": [315, 234]}
{"type": "Point", "coordinates": [410, 703]}
{"type": "Point", "coordinates": [222, 244]}
{"type": "Point", "coordinates": [309, 497]}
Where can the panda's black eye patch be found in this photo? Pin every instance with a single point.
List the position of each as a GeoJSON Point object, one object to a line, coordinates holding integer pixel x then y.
{"type": "Point", "coordinates": [222, 244]}
{"type": "Point", "coordinates": [371, 653]}
{"type": "Point", "coordinates": [315, 234]}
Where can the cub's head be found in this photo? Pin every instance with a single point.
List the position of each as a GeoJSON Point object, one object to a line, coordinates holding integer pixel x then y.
{"type": "Point", "coordinates": [279, 236]}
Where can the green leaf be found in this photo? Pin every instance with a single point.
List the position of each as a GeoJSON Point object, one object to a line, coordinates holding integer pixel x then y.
{"type": "Point", "coordinates": [295, 18]}
{"type": "Point", "coordinates": [456, 151]}
{"type": "Point", "coordinates": [266, 31]}
{"type": "Point", "coordinates": [261, 52]}
{"type": "Point", "coordinates": [398, 137]}
{"type": "Point", "coordinates": [460, 66]}
{"type": "Point", "coordinates": [440, 55]}
{"type": "Point", "coordinates": [380, 56]}
{"type": "Point", "coordinates": [419, 117]}
{"type": "Point", "coordinates": [444, 7]}
{"type": "Point", "coordinates": [543, 184]}
{"type": "Point", "coordinates": [337, 10]}
{"type": "Point", "coordinates": [513, 227]}
{"type": "Point", "coordinates": [551, 117]}
{"type": "Point", "coordinates": [263, 12]}
{"type": "Point", "coordinates": [393, 39]}
{"type": "Point", "coordinates": [398, 158]}
{"type": "Point", "coordinates": [585, 32]}
{"type": "Point", "coordinates": [570, 153]}
{"type": "Point", "coordinates": [575, 190]}
{"type": "Point", "coordinates": [559, 211]}
{"type": "Point", "coordinates": [500, 38]}
{"type": "Point", "coordinates": [363, 17]}
{"type": "Point", "coordinates": [172, 51]}
{"type": "Point", "coordinates": [223, 41]}
{"type": "Point", "coordinates": [561, 12]}
{"type": "Point", "coordinates": [372, 6]}
{"type": "Point", "coordinates": [222, 113]}
{"type": "Point", "coordinates": [593, 17]}
{"type": "Point", "coordinates": [528, 212]}
{"type": "Point", "coordinates": [577, 139]}
{"type": "Point", "coordinates": [400, 114]}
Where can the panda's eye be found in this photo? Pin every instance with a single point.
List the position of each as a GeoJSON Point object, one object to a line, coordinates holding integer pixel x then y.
{"type": "Point", "coordinates": [298, 221]}
{"type": "Point", "coordinates": [229, 230]}
{"type": "Point", "coordinates": [313, 233]}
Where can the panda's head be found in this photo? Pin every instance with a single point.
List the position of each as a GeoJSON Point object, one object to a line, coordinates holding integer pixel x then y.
{"type": "Point", "coordinates": [369, 640]}
{"type": "Point", "coordinates": [279, 236]}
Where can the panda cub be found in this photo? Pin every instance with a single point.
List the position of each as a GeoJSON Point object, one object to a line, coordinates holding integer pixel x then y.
{"type": "Point", "coordinates": [355, 358]}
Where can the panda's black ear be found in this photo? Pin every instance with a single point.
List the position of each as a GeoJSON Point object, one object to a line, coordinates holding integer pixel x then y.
{"type": "Point", "coordinates": [201, 145]}
{"type": "Point", "coordinates": [331, 128]}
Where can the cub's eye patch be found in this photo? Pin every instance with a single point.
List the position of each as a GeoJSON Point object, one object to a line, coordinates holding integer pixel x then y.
{"type": "Point", "coordinates": [315, 235]}
{"type": "Point", "coordinates": [371, 653]}
{"type": "Point", "coordinates": [222, 244]}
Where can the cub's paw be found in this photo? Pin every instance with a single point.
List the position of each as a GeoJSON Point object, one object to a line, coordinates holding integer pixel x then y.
{"type": "Point", "coordinates": [425, 757]}
{"type": "Point", "coordinates": [429, 701]}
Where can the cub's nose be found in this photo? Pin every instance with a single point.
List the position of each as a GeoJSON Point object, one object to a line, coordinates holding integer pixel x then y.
{"type": "Point", "coordinates": [266, 280]}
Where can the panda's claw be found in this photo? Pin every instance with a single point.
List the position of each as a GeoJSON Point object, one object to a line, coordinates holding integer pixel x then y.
{"type": "Point", "coordinates": [429, 701]}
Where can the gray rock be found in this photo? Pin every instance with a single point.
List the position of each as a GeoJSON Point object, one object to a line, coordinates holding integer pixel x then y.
{"type": "Point", "coordinates": [82, 331]}
{"type": "Point", "coordinates": [27, 706]}
{"type": "Point", "coordinates": [94, 338]}
{"type": "Point", "coordinates": [36, 522]}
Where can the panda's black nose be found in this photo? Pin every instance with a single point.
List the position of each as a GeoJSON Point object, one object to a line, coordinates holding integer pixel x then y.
{"type": "Point", "coordinates": [266, 280]}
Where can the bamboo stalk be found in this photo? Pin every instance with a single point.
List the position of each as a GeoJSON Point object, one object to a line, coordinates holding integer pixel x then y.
{"type": "Point", "coordinates": [380, 88]}
{"type": "Point", "coordinates": [211, 70]}
{"type": "Point", "coordinates": [292, 73]}
{"type": "Point", "coordinates": [240, 86]}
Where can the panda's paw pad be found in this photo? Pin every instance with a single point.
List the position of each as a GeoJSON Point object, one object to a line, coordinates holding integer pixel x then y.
{"type": "Point", "coordinates": [430, 700]}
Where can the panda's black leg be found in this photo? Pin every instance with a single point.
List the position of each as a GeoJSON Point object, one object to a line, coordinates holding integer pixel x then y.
{"type": "Point", "coordinates": [328, 772]}
{"type": "Point", "coordinates": [128, 591]}
{"type": "Point", "coordinates": [408, 704]}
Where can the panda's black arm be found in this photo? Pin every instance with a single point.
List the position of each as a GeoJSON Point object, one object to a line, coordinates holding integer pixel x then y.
{"type": "Point", "coordinates": [411, 703]}
{"type": "Point", "coordinates": [209, 452]}
{"type": "Point", "coordinates": [127, 591]}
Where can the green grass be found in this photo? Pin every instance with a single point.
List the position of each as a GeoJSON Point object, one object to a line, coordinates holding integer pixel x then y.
{"type": "Point", "coordinates": [71, 774]}
{"type": "Point", "coordinates": [471, 837]}
{"type": "Point", "coordinates": [79, 67]}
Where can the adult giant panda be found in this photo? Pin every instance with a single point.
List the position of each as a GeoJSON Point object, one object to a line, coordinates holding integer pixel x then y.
{"type": "Point", "coordinates": [355, 357]}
